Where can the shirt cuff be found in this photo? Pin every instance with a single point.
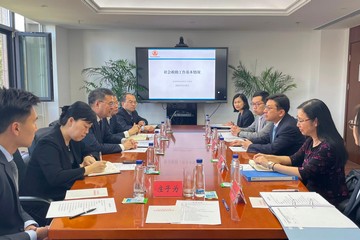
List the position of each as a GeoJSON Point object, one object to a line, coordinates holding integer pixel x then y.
{"type": "Point", "coordinates": [122, 147]}
{"type": "Point", "coordinates": [126, 133]}
{"type": "Point", "coordinates": [30, 222]}
{"type": "Point", "coordinates": [142, 128]}
{"type": "Point", "coordinates": [32, 234]}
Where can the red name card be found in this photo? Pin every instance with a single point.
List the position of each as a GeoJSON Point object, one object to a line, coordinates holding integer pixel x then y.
{"type": "Point", "coordinates": [167, 189]}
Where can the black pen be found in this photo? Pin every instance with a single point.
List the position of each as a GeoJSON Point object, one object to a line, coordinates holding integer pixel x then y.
{"type": "Point", "coordinates": [225, 205]}
{"type": "Point", "coordinates": [80, 214]}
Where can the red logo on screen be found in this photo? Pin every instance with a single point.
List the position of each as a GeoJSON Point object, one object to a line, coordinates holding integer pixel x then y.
{"type": "Point", "coordinates": [154, 53]}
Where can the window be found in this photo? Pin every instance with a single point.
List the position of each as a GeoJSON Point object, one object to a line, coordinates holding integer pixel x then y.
{"type": "Point", "coordinates": [33, 54]}
{"type": "Point", "coordinates": [27, 52]}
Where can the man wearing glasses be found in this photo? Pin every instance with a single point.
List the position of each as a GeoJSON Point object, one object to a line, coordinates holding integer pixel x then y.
{"type": "Point", "coordinates": [100, 139]}
{"type": "Point", "coordinates": [127, 116]}
{"type": "Point", "coordinates": [284, 137]}
{"type": "Point", "coordinates": [260, 128]}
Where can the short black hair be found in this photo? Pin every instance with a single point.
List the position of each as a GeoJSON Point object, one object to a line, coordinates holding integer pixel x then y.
{"type": "Point", "coordinates": [123, 97]}
{"type": "Point", "coordinates": [99, 94]}
{"type": "Point", "coordinates": [243, 98]}
{"type": "Point", "coordinates": [78, 110]}
{"type": "Point", "coordinates": [262, 94]}
{"type": "Point", "coordinates": [281, 100]}
{"type": "Point", "coordinates": [15, 105]}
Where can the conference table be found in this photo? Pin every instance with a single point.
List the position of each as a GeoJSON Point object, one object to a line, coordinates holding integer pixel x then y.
{"type": "Point", "coordinates": [185, 145]}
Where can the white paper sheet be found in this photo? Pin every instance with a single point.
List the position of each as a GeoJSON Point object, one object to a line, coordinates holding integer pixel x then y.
{"type": "Point", "coordinates": [125, 167]}
{"type": "Point", "coordinates": [278, 199]}
{"type": "Point", "coordinates": [110, 169]}
{"type": "Point", "coordinates": [197, 212]}
{"type": "Point", "coordinates": [136, 150]}
{"type": "Point", "coordinates": [160, 214]}
{"type": "Point", "coordinates": [258, 202]}
{"type": "Point", "coordinates": [312, 217]}
{"type": "Point", "coordinates": [72, 207]}
{"type": "Point", "coordinates": [86, 193]}
{"type": "Point", "coordinates": [238, 149]}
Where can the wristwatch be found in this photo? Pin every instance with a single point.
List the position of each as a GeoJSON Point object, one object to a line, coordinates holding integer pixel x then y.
{"type": "Point", "coordinates": [270, 164]}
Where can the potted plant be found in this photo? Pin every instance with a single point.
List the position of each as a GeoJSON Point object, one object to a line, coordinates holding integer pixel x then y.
{"type": "Point", "coordinates": [270, 80]}
{"type": "Point", "coordinates": [118, 75]}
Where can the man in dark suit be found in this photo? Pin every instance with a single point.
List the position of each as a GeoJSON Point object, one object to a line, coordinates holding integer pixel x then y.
{"type": "Point", "coordinates": [17, 129]}
{"type": "Point", "coordinates": [100, 139]}
{"type": "Point", "coordinates": [128, 116]}
{"type": "Point", "coordinates": [284, 137]}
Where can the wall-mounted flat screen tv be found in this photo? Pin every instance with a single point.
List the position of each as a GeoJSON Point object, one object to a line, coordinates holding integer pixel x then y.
{"type": "Point", "coordinates": [182, 74]}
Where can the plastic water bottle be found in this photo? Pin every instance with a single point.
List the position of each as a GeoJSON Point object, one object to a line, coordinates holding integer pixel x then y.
{"type": "Point", "coordinates": [207, 126]}
{"type": "Point", "coordinates": [139, 177]}
{"type": "Point", "coordinates": [156, 140]}
{"type": "Point", "coordinates": [235, 169]}
{"type": "Point", "coordinates": [168, 125]}
{"type": "Point", "coordinates": [162, 130]}
{"type": "Point", "coordinates": [199, 179]}
{"type": "Point", "coordinates": [221, 149]}
{"type": "Point", "coordinates": [150, 164]}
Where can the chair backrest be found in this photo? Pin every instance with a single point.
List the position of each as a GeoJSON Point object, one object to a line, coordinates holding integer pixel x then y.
{"type": "Point", "coordinates": [41, 132]}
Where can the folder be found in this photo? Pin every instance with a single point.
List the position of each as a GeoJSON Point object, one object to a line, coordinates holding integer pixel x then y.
{"type": "Point", "coordinates": [257, 176]}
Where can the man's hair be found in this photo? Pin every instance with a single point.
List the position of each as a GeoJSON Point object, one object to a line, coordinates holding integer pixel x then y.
{"type": "Point", "coordinates": [99, 95]}
{"type": "Point", "coordinates": [281, 100]}
{"type": "Point", "coordinates": [79, 111]}
{"type": "Point", "coordinates": [262, 94]}
{"type": "Point", "coordinates": [123, 98]}
{"type": "Point", "coordinates": [15, 105]}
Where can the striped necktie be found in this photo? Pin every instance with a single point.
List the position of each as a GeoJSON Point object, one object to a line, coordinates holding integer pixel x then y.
{"type": "Point", "coordinates": [15, 173]}
{"type": "Point", "coordinates": [273, 133]}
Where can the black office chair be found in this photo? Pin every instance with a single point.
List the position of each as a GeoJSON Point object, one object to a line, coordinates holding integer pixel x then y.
{"type": "Point", "coordinates": [29, 203]}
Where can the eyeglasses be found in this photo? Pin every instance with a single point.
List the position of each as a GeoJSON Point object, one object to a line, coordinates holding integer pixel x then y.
{"type": "Point", "coordinates": [352, 124]}
{"type": "Point", "coordinates": [109, 103]}
{"type": "Point", "coordinates": [257, 104]}
{"type": "Point", "coordinates": [303, 120]}
{"type": "Point", "coordinates": [269, 107]}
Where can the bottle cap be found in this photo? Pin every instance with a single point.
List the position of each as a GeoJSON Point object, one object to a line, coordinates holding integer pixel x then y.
{"type": "Point", "coordinates": [199, 160]}
{"type": "Point", "coordinates": [157, 130]}
{"type": "Point", "coordinates": [221, 138]}
{"type": "Point", "coordinates": [235, 155]}
{"type": "Point", "coordinates": [162, 122]}
{"type": "Point", "coordinates": [151, 144]}
{"type": "Point", "coordinates": [139, 162]}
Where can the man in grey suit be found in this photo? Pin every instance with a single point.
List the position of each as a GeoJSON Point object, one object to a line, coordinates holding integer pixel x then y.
{"type": "Point", "coordinates": [17, 129]}
{"type": "Point", "coordinates": [260, 128]}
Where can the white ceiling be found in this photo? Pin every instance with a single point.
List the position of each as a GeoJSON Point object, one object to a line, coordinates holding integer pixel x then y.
{"type": "Point", "coordinates": [288, 15]}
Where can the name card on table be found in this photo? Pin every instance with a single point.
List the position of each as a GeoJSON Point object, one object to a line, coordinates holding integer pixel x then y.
{"type": "Point", "coordinates": [237, 194]}
{"type": "Point", "coordinates": [167, 189]}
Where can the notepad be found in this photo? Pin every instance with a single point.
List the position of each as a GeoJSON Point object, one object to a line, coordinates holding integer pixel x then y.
{"type": "Point", "coordinates": [259, 167]}
{"type": "Point", "coordinates": [110, 169]}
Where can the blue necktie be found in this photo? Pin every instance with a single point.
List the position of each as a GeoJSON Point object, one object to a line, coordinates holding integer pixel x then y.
{"type": "Point", "coordinates": [273, 133]}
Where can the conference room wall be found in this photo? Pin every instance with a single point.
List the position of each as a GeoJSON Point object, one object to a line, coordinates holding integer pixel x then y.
{"type": "Point", "coordinates": [316, 59]}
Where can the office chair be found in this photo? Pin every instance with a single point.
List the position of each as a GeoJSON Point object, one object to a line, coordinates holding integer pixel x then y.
{"type": "Point", "coordinates": [30, 202]}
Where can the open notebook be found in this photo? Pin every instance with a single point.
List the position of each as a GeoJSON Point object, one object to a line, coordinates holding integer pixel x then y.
{"type": "Point", "coordinates": [110, 169]}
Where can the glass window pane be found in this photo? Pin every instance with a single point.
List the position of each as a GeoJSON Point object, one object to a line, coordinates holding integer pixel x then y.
{"type": "Point", "coordinates": [35, 69]}
{"type": "Point", "coordinates": [19, 22]}
{"type": "Point", "coordinates": [4, 67]}
{"type": "Point", "coordinates": [4, 17]}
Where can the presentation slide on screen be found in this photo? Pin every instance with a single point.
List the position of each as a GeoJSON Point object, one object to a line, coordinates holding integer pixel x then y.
{"type": "Point", "coordinates": [182, 74]}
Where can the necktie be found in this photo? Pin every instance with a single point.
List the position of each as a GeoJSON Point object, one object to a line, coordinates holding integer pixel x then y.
{"type": "Point", "coordinates": [259, 124]}
{"type": "Point", "coordinates": [273, 133]}
{"type": "Point", "coordinates": [15, 173]}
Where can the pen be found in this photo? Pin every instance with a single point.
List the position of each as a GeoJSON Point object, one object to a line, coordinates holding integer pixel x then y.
{"type": "Point", "coordinates": [100, 156]}
{"type": "Point", "coordinates": [80, 214]}
{"type": "Point", "coordinates": [225, 205]}
{"type": "Point", "coordinates": [285, 190]}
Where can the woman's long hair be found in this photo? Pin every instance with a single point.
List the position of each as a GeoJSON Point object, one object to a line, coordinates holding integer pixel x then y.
{"type": "Point", "coordinates": [326, 130]}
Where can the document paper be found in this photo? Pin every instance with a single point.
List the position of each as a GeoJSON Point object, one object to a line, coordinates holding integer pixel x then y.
{"type": "Point", "coordinates": [86, 193]}
{"type": "Point", "coordinates": [72, 207]}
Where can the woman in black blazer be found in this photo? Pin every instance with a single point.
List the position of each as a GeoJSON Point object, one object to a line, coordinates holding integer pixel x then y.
{"type": "Point", "coordinates": [58, 159]}
{"type": "Point", "coordinates": [241, 105]}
